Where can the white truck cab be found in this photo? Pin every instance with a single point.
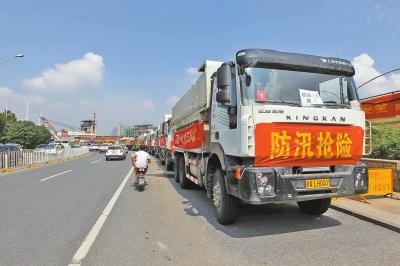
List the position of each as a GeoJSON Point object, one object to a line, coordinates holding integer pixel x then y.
{"type": "Point", "coordinates": [269, 127]}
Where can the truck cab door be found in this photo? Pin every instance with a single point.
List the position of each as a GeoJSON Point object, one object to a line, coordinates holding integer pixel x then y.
{"type": "Point", "coordinates": [224, 128]}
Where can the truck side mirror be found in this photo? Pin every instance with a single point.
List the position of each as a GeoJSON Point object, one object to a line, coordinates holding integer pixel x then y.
{"type": "Point", "coordinates": [224, 84]}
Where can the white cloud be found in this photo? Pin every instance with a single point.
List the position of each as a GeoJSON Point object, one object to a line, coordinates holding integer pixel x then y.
{"type": "Point", "coordinates": [17, 103]}
{"type": "Point", "coordinates": [192, 71]}
{"type": "Point", "coordinates": [365, 70]}
{"type": "Point", "coordinates": [171, 101]}
{"type": "Point", "coordinates": [192, 74]}
{"type": "Point", "coordinates": [147, 105]}
{"type": "Point", "coordinates": [83, 73]}
{"type": "Point", "coordinates": [7, 94]}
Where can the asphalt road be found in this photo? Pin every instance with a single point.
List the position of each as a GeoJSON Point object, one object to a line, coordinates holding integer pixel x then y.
{"type": "Point", "coordinates": [165, 225]}
{"type": "Point", "coordinates": [45, 222]}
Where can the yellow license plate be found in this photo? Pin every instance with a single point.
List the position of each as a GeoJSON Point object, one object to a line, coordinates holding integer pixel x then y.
{"type": "Point", "coordinates": [318, 183]}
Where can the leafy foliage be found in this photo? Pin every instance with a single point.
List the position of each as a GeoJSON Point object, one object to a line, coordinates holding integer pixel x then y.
{"type": "Point", "coordinates": [386, 143]}
{"type": "Point", "coordinates": [2, 125]}
{"type": "Point", "coordinates": [25, 133]}
{"type": "Point", "coordinates": [9, 118]}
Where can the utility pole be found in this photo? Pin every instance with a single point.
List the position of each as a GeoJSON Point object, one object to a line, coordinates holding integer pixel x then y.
{"type": "Point", "coordinates": [94, 123]}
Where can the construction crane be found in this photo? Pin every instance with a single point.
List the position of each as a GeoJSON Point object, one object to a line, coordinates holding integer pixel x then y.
{"type": "Point", "coordinates": [47, 123]}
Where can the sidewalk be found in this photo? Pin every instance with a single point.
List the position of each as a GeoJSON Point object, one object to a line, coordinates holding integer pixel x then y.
{"type": "Point", "coordinates": [382, 211]}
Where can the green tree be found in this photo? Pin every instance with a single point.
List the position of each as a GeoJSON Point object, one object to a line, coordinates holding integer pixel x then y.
{"type": "Point", "coordinates": [2, 126]}
{"type": "Point", "coordinates": [386, 143]}
{"type": "Point", "coordinates": [4, 121]}
{"type": "Point", "coordinates": [26, 133]}
{"type": "Point", "coordinates": [9, 118]}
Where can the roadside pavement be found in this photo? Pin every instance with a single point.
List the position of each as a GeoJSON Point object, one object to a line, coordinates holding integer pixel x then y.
{"type": "Point", "coordinates": [383, 211]}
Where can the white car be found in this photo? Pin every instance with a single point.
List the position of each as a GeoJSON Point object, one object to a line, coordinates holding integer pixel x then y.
{"type": "Point", "coordinates": [115, 152]}
{"type": "Point", "coordinates": [41, 148]}
{"type": "Point", "coordinates": [103, 148]}
{"type": "Point", "coordinates": [93, 147]}
{"type": "Point", "coordinates": [54, 148]}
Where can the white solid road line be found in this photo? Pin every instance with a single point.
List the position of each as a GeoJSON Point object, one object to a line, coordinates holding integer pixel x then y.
{"type": "Point", "coordinates": [47, 178]}
{"type": "Point", "coordinates": [91, 237]}
{"type": "Point", "coordinates": [96, 161]}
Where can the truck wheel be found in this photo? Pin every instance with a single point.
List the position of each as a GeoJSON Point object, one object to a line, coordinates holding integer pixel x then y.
{"type": "Point", "coordinates": [314, 207]}
{"type": "Point", "coordinates": [226, 206]}
{"type": "Point", "coordinates": [182, 174]}
{"type": "Point", "coordinates": [176, 171]}
{"type": "Point", "coordinates": [170, 166]}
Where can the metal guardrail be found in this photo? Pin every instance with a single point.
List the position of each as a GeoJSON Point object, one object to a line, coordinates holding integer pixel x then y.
{"type": "Point", "coordinates": [26, 158]}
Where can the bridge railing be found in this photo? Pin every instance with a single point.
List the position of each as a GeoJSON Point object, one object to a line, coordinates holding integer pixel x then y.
{"type": "Point", "coordinates": [27, 158]}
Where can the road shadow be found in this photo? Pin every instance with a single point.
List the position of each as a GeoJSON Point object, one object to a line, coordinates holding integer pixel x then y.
{"type": "Point", "coordinates": [160, 167]}
{"type": "Point", "coordinates": [253, 221]}
{"type": "Point", "coordinates": [163, 174]}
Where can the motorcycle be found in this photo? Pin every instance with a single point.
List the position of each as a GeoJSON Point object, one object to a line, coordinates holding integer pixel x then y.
{"type": "Point", "coordinates": [140, 179]}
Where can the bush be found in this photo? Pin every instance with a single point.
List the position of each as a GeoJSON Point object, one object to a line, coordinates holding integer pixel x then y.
{"type": "Point", "coordinates": [386, 143]}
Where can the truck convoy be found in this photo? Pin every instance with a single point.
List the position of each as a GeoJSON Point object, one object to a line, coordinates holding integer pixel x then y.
{"type": "Point", "coordinates": [165, 141]}
{"type": "Point", "coordinates": [270, 127]}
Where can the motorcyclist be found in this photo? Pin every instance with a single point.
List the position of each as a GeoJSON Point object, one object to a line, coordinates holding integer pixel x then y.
{"type": "Point", "coordinates": [140, 160]}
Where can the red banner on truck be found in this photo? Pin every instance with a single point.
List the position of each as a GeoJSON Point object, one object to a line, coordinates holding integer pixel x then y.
{"type": "Point", "coordinates": [280, 144]}
{"type": "Point", "coordinates": [190, 137]}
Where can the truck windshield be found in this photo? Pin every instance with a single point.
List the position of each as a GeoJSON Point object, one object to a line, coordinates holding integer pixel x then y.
{"type": "Point", "coordinates": [262, 86]}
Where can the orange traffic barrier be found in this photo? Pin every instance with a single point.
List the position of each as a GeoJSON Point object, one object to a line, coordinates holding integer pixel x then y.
{"type": "Point", "coordinates": [380, 183]}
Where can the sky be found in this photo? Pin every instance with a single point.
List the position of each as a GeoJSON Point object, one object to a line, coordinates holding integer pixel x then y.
{"type": "Point", "coordinates": [129, 61]}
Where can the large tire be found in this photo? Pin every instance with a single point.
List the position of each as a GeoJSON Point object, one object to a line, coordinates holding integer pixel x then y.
{"type": "Point", "coordinates": [226, 206]}
{"type": "Point", "coordinates": [185, 183]}
{"type": "Point", "coordinates": [314, 207]}
{"type": "Point", "coordinates": [170, 166]}
{"type": "Point", "coordinates": [176, 171]}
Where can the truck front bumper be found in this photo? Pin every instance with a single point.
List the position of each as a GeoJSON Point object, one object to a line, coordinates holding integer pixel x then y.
{"type": "Point", "coordinates": [282, 187]}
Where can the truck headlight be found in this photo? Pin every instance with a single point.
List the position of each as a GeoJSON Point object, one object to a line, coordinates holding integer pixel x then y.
{"type": "Point", "coordinates": [361, 179]}
{"type": "Point", "coordinates": [265, 183]}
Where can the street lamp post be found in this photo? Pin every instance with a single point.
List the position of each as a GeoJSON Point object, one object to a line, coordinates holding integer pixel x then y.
{"type": "Point", "coordinates": [374, 78]}
{"type": "Point", "coordinates": [5, 60]}
{"type": "Point", "coordinates": [11, 58]}
{"type": "Point", "coordinates": [7, 107]}
{"type": "Point", "coordinates": [27, 110]}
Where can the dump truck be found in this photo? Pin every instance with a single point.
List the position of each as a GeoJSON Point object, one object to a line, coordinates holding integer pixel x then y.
{"type": "Point", "coordinates": [165, 138]}
{"type": "Point", "coordinates": [151, 145]}
{"type": "Point", "coordinates": [270, 127]}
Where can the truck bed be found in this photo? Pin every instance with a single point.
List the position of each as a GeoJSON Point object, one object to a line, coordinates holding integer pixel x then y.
{"type": "Point", "coordinates": [196, 99]}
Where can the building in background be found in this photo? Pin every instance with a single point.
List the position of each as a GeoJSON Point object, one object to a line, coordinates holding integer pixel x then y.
{"type": "Point", "coordinates": [88, 126]}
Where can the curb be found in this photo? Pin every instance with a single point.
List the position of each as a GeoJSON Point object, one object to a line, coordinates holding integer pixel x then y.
{"type": "Point", "coordinates": [367, 218]}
